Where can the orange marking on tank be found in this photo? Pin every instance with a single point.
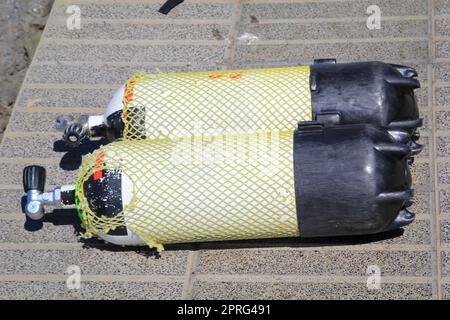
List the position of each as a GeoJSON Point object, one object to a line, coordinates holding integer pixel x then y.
{"type": "Point", "coordinates": [98, 165]}
{"type": "Point", "coordinates": [233, 76]}
{"type": "Point", "coordinates": [236, 76]}
{"type": "Point", "coordinates": [216, 76]}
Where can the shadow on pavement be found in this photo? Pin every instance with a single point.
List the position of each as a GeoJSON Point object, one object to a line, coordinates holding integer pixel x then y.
{"type": "Point", "coordinates": [70, 217]}
{"type": "Point", "coordinates": [73, 157]}
{"type": "Point", "coordinates": [57, 218]}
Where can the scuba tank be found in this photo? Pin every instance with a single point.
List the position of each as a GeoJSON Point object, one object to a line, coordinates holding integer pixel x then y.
{"type": "Point", "coordinates": [317, 181]}
{"type": "Point", "coordinates": [231, 102]}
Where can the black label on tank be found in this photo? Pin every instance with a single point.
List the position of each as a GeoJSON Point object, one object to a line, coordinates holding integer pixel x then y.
{"type": "Point", "coordinates": [103, 191]}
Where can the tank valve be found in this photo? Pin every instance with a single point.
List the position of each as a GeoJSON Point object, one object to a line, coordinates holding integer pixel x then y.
{"type": "Point", "coordinates": [33, 185]}
{"type": "Point", "coordinates": [74, 134]}
{"type": "Point", "coordinates": [74, 131]}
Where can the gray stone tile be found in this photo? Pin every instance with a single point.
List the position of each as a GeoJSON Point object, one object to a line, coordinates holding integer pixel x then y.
{"type": "Point", "coordinates": [130, 290]}
{"type": "Point", "coordinates": [305, 53]}
{"type": "Point", "coordinates": [40, 147]}
{"type": "Point", "coordinates": [331, 30]}
{"type": "Point", "coordinates": [10, 201]}
{"type": "Point", "coordinates": [89, 290]}
{"type": "Point", "coordinates": [427, 124]}
{"type": "Point", "coordinates": [21, 147]}
{"type": "Point", "coordinates": [340, 9]}
{"type": "Point", "coordinates": [11, 173]}
{"type": "Point", "coordinates": [444, 201]}
{"type": "Point", "coordinates": [443, 172]}
{"type": "Point", "coordinates": [148, 11]}
{"type": "Point", "coordinates": [38, 122]}
{"type": "Point", "coordinates": [125, 31]}
{"type": "Point", "coordinates": [131, 53]}
{"type": "Point", "coordinates": [309, 291]}
{"type": "Point", "coordinates": [422, 202]}
{"type": "Point", "coordinates": [442, 96]}
{"type": "Point", "coordinates": [446, 291]}
{"type": "Point", "coordinates": [442, 71]}
{"type": "Point", "coordinates": [63, 98]}
{"type": "Point", "coordinates": [48, 147]}
{"type": "Point", "coordinates": [445, 231]}
{"type": "Point", "coordinates": [443, 146]}
{"type": "Point", "coordinates": [422, 93]}
{"type": "Point", "coordinates": [33, 290]}
{"type": "Point", "coordinates": [442, 27]}
{"type": "Point", "coordinates": [419, 232]}
{"type": "Point", "coordinates": [442, 7]}
{"type": "Point", "coordinates": [313, 262]}
{"type": "Point", "coordinates": [442, 49]}
{"type": "Point", "coordinates": [443, 120]}
{"type": "Point", "coordinates": [61, 230]}
{"type": "Point", "coordinates": [92, 261]}
{"type": "Point", "coordinates": [445, 261]}
{"type": "Point", "coordinates": [100, 74]}
{"type": "Point", "coordinates": [421, 174]}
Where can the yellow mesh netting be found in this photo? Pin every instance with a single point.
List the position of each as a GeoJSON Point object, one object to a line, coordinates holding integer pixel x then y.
{"type": "Point", "coordinates": [220, 102]}
{"type": "Point", "coordinates": [200, 189]}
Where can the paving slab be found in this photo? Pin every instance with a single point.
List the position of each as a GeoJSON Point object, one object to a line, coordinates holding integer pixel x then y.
{"type": "Point", "coordinates": [293, 291]}
{"type": "Point", "coordinates": [75, 72]}
{"type": "Point", "coordinates": [90, 290]}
